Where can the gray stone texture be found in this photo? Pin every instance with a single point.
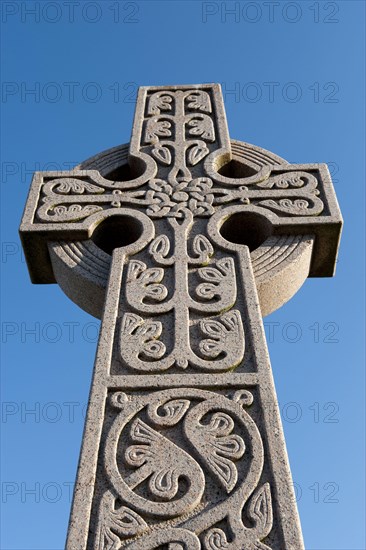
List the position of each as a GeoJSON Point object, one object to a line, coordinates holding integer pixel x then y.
{"type": "Point", "coordinates": [181, 242]}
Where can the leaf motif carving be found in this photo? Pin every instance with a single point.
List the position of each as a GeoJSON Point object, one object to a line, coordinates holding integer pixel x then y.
{"type": "Point", "coordinates": [152, 275]}
{"type": "Point", "coordinates": [212, 347]}
{"type": "Point", "coordinates": [197, 153]}
{"type": "Point", "coordinates": [202, 247]}
{"type": "Point", "coordinates": [160, 247]}
{"type": "Point", "coordinates": [126, 522]}
{"type": "Point", "coordinates": [224, 334]}
{"type": "Point", "coordinates": [289, 180]}
{"type": "Point", "coordinates": [164, 483]}
{"type": "Point", "coordinates": [232, 319]}
{"type": "Point", "coordinates": [226, 265]}
{"type": "Point", "coordinates": [260, 510]}
{"type": "Point", "coordinates": [156, 128]}
{"type": "Point", "coordinates": [175, 410]}
{"type": "Point", "coordinates": [135, 268]}
{"type": "Point", "coordinates": [297, 207]}
{"type": "Point", "coordinates": [214, 275]}
{"type": "Point", "coordinates": [170, 413]}
{"type": "Point", "coordinates": [154, 349]}
{"type": "Point", "coordinates": [292, 180]}
{"type": "Point", "coordinates": [143, 282]}
{"type": "Point", "coordinates": [162, 154]}
{"type": "Point", "coordinates": [65, 186]}
{"type": "Point", "coordinates": [147, 335]}
{"type": "Point", "coordinates": [221, 424]}
{"type": "Point", "coordinates": [115, 523]}
{"type": "Point", "coordinates": [210, 274]}
{"type": "Point", "coordinates": [199, 100]}
{"type": "Point", "coordinates": [137, 455]}
{"type": "Point", "coordinates": [140, 337]}
{"type": "Point", "coordinates": [151, 329]}
{"type": "Point", "coordinates": [230, 446]}
{"type": "Point", "coordinates": [162, 463]}
{"type": "Point", "coordinates": [224, 469]}
{"type": "Point", "coordinates": [73, 212]}
{"type": "Point", "coordinates": [225, 447]}
{"type": "Point", "coordinates": [219, 447]}
{"type": "Point", "coordinates": [213, 328]}
{"type": "Point", "coordinates": [216, 540]}
{"type": "Point", "coordinates": [142, 432]}
{"type": "Point", "coordinates": [129, 322]}
{"type": "Point", "coordinates": [220, 281]}
{"type": "Point", "coordinates": [160, 101]}
{"type": "Point", "coordinates": [201, 125]}
{"type": "Point", "coordinates": [206, 291]}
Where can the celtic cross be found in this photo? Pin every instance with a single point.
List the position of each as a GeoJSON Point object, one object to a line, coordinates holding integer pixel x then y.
{"type": "Point", "coordinates": [181, 242]}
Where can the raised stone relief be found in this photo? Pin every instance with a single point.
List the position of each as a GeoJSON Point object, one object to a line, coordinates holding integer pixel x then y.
{"type": "Point", "coordinates": [140, 345]}
{"type": "Point", "coordinates": [181, 241]}
{"type": "Point", "coordinates": [161, 485]}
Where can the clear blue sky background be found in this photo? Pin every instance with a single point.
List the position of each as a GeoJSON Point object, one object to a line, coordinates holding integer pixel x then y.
{"type": "Point", "coordinates": [297, 72]}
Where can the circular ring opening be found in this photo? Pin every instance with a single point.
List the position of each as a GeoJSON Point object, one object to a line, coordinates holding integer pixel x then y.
{"type": "Point", "coordinates": [236, 169]}
{"type": "Point", "coordinates": [127, 171]}
{"type": "Point", "coordinates": [246, 228]}
{"type": "Point", "coordinates": [117, 231]}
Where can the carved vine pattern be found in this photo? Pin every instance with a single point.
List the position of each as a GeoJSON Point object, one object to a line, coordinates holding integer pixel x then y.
{"type": "Point", "coordinates": [222, 345]}
{"type": "Point", "coordinates": [152, 476]}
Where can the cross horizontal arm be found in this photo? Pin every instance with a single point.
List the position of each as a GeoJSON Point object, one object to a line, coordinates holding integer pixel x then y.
{"type": "Point", "coordinates": [297, 199]}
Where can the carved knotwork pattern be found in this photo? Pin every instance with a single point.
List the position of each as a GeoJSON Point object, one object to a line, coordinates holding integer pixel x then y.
{"type": "Point", "coordinates": [171, 201]}
{"type": "Point", "coordinates": [163, 495]}
{"type": "Point", "coordinates": [67, 199]}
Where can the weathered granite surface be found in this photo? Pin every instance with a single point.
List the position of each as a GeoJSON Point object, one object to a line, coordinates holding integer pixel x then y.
{"type": "Point", "coordinates": [181, 242]}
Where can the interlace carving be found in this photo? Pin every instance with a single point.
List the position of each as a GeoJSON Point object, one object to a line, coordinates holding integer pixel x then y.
{"type": "Point", "coordinates": [67, 199]}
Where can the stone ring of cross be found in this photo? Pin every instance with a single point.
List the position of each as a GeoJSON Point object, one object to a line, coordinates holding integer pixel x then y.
{"type": "Point", "coordinates": [181, 241]}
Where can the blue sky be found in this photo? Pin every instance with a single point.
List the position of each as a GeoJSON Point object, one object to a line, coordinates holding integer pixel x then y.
{"type": "Point", "coordinates": [293, 81]}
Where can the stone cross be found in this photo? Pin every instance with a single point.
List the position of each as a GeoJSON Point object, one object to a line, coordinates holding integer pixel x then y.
{"type": "Point", "coordinates": [181, 242]}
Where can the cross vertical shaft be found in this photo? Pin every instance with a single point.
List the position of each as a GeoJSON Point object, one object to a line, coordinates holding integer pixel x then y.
{"type": "Point", "coordinates": [183, 444]}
